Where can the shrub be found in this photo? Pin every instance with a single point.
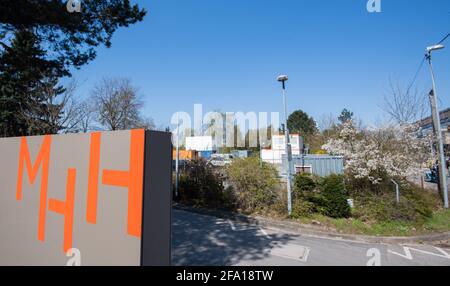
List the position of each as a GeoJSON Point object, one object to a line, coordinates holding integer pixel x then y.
{"type": "Point", "coordinates": [303, 208]}
{"type": "Point", "coordinates": [330, 199]}
{"type": "Point", "coordinates": [303, 183]}
{"type": "Point", "coordinates": [335, 196]}
{"type": "Point", "coordinates": [254, 183]}
{"type": "Point", "coordinates": [201, 186]}
{"type": "Point", "coordinates": [416, 205]}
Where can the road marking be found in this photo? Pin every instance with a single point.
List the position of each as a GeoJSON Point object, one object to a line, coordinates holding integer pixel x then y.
{"type": "Point", "coordinates": [408, 255]}
{"type": "Point", "coordinates": [214, 240]}
{"type": "Point", "coordinates": [443, 252]}
{"type": "Point", "coordinates": [305, 256]}
{"type": "Point", "coordinates": [264, 232]}
{"type": "Point", "coordinates": [231, 225]}
{"type": "Point", "coordinates": [219, 221]}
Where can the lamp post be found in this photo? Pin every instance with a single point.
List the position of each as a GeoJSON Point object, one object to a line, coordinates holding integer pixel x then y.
{"type": "Point", "coordinates": [177, 160]}
{"type": "Point", "coordinates": [283, 79]}
{"type": "Point", "coordinates": [437, 127]}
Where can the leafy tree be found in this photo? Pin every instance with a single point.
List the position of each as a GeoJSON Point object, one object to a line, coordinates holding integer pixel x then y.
{"type": "Point", "coordinates": [376, 155]}
{"type": "Point", "coordinates": [70, 39]}
{"type": "Point", "coordinates": [301, 122]}
{"type": "Point", "coordinates": [346, 116]}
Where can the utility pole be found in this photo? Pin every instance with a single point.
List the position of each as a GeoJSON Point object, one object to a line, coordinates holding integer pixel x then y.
{"type": "Point", "coordinates": [437, 127]}
{"type": "Point", "coordinates": [283, 79]}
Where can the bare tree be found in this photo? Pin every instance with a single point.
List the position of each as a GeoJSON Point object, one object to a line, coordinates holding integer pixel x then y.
{"type": "Point", "coordinates": [117, 105]}
{"type": "Point", "coordinates": [146, 123]}
{"type": "Point", "coordinates": [327, 121]}
{"type": "Point", "coordinates": [86, 116]}
{"type": "Point", "coordinates": [58, 112]}
{"type": "Point", "coordinates": [404, 105]}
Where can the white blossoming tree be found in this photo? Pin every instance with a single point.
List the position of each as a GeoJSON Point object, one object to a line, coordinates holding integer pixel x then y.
{"type": "Point", "coordinates": [376, 154]}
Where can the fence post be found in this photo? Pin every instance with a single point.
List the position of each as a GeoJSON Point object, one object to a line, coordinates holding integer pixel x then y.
{"type": "Point", "coordinates": [397, 191]}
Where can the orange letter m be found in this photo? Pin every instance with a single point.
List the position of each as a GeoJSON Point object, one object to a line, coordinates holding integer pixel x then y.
{"type": "Point", "coordinates": [42, 159]}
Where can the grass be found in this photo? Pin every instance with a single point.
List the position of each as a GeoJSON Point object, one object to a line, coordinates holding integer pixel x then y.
{"type": "Point", "coordinates": [439, 222]}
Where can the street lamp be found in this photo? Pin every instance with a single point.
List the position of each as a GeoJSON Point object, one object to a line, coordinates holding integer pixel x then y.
{"type": "Point", "coordinates": [283, 79]}
{"type": "Point", "coordinates": [437, 127]}
{"type": "Point", "coordinates": [177, 160]}
{"type": "Point", "coordinates": [434, 48]}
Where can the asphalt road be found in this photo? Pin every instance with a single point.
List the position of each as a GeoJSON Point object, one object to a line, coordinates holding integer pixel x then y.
{"type": "Point", "coordinates": [199, 240]}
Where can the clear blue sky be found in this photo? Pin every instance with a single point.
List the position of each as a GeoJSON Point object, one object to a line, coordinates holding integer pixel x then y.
{"type": "Point", "coordinates": [226, 54]}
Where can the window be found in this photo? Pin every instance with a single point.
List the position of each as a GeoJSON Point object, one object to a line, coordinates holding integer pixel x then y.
{"type": "Point", "coordinates": [303, 169]}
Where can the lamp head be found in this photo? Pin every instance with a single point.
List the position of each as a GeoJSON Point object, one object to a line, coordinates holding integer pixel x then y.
{"type": "Point", "coordinates": [435, 48]}
{"type": "Point", "coordinates": [282, 78]}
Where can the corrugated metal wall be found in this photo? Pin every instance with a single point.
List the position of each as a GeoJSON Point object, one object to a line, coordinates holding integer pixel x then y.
{"type": "Point", "coordinates": [321, 165]}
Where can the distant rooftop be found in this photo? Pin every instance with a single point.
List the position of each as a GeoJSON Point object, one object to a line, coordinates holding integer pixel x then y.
{"type": "Point", "coordinates": [427, 123]}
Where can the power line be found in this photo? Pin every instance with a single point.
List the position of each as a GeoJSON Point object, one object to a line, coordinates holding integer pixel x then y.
{"type": "Point", "coordinates": [421, 65]}
{"type": "Point", "coordinates": [416, 75]}
{"type": "Point", "coordinates": [445, 38]}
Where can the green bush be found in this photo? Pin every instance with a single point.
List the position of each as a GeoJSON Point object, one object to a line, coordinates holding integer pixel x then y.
{"type": "Point", "coordinates": [416, 205]}
{"type": "Point", "coordinates": [333, 190]}
{"type": "Point", "coordinates": [330, 199]}
{"type": "Point", "coordinates": [254, 183]}
{"type": "Point", "coordinates": [332, 184]}
{"type": "Point", "coordinates": [303, 183]}
{"type": "Point", "coordinates": [303, 208]}
{"type": "Point", "coordinates": [201, 186]}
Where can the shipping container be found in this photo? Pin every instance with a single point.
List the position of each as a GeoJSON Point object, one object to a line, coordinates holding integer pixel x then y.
{"type": "Point", "coordinates": [185, 155]}
{"type": "Point", "coordinates": [321, 165]}
{"type": "Point", "coordinates": [205, 154]}
{"type": "Point", "coordinates": [241, 153]}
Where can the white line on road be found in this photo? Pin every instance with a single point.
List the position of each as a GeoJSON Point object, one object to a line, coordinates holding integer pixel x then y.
{"type": "Point", "coordinates": [264, 232]}
{"type": "Point", "coordinates": [216, 241]}
{"type": "Point", "coordinates": [443, 252]}
{"type": "Point", "coordinates": [408, 255]}
{"type": "Point", "coordinates": [305, 255]}
{"type": "Point", "coordinates": [231, 225]}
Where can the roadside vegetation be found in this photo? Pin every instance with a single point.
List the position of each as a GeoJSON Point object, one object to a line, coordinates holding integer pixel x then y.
{"type": "Point", "coordinates": [374, 213]}
{"type": "Point", "coordinates": [360, 201]}
{"type": "Point", "coordinates": [247, 188]}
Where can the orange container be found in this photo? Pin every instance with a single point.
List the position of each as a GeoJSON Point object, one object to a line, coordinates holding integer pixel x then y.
{"type": "Point", "coordinates": [185, 154]}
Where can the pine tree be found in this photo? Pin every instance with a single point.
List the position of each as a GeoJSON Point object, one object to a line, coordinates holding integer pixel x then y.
{"type": "Point", "coordinates": [25, 76]}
